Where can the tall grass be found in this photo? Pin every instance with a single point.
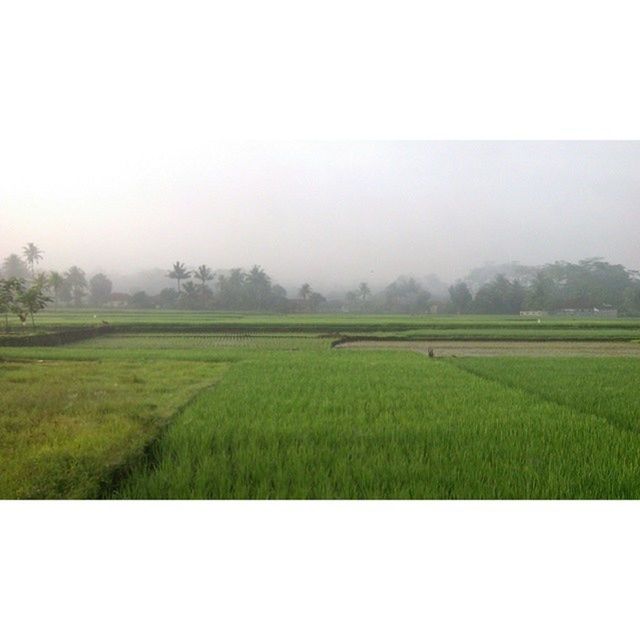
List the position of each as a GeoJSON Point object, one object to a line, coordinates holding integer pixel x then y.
{"type": "Point", "coordinates": [67, 427]}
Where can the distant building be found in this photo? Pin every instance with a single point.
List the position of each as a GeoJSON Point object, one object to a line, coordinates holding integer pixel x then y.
{"type": "Point", "coordinates": [534, 313]}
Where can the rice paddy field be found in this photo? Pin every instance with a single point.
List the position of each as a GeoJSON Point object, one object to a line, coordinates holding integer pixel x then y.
{"type": "Point", "coordinates": [171, 407]}
{"type": "Point", "coordinates": [411, 327]}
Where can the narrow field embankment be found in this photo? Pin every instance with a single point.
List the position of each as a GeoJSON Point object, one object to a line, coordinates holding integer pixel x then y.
{"type": "Point", "coordinates": [499, 348]}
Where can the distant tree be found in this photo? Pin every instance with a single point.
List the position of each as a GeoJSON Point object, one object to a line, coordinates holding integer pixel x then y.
{"type": "Point", "coordinates": [516, 297]}
{"type": "Point", "coordinates": [461, 297]}
{"type": "Point", "coordinates": [141, 300]}
{"type": "Point", "coordinates": [100, 288]}
{"type": "Point", "coordinates": [500, 296]}
{"type": "Point", "coordinates": [76, 281]}
{"type": "Point", "coordinates": [351, 301]}
{"type": "Point", "coordinates": [14, 289]}
{"type": "Point", "coordinates": [167, 298]}
{"type": "Point", "coordinates": [179, 272]}
{"type": "Point", "coordinates": [305, 291]}
{"type": "Point", "coordinates": [4, 304]}
{"type": "Point", "coordinates": [189, 298]}
{"type": "Point", "coordinates": [10, 289]}
{"type": "Point", "coordinates": [231, 290]}
{"type": "Point", "coordinates": [57, 285]}
{"type": "Point", "coordinates": [487, 273]}
{"type": "Point", "coordinates": [278, 300]}
{"type": "Point", "coordinates": [258, 288]}
{"type": "Point", "coordinates": [15, 267]}
{"type": "Point", "coordinates": [357, 300]}
{"type": "Point", "coordinates": [589, 283]}
{"type": "Point", "coordinates": [31, 301]}
{"type": "Point", "coordinates": [204, 275]}
{"type": "Point", "coordinates": [631, 304]}
{"type": "Point", "coordinates": [33, 255]}
{"type": "Point", "coordinates": [363, 291]}
{"type": "Point", "coordinates": [541, 293]}
{"type": "Point", "coordinates": [315, 301]}
{"type": "Point", "coordinates": [406, 295]}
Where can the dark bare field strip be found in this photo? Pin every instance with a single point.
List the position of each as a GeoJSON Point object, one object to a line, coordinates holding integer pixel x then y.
{"type": "Point", "coordinates": [499, 349]}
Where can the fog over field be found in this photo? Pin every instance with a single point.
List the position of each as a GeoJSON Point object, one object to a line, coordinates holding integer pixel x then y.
{"type": "Point", "coordinates": [331, 213]}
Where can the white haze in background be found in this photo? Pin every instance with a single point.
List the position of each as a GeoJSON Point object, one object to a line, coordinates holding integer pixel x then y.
{"type": "Point", "coordinates": [332, 213]}
{"type": "Point", "coordinates": [110, 152]}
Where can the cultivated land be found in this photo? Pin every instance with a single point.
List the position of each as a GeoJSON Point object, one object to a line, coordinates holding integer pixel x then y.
{"type": "Point", "coordinates": [488, 348]}
{"type": "Point", "coordinates": [190, 405]}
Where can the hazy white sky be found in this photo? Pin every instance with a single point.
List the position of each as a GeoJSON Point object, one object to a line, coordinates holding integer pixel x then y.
{"type": "Point", "coordinates": [111, 120]}
{"type": "Point", "coordinates": [329, 211]}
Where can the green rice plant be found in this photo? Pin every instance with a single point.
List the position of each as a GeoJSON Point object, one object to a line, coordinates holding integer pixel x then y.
{"type": "Point", "coordinates": [382, 425]}
{"type": "Point", "coordinates": [291, 418]}
{"type": "Point", "coordinates": [465, 327]}
{"type": "Point", "coordinates": [605, 387]}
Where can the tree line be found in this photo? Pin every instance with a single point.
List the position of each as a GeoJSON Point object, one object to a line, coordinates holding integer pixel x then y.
{"type": "Point", "coordinates": [198, 289]}
{"type": "Point", "coordinates": [503, 289]}
{"type": "Point", "coordinates": [589, 284]}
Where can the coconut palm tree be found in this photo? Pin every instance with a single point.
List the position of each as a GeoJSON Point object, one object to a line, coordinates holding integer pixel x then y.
{"type": "Point", "coordinates": [76, 280]}
{"type": "Point", "coordinates": [179, 273]}
{"type": "Point", "coordinates": [33, 255]}
{"type": "Point", "coordinates": [204, 274]}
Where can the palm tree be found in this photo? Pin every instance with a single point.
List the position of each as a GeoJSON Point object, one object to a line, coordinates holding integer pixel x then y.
{"type": "Point", "coordinates": [33, 256]}
{"type": "Point", "coordinates": [56, 282]}
{"type": "Point", "coordinates": [179, 273]}
{"type": "Point", "coordinates": [77, 283]}
{"type": "Point", "coordinates": [204, 274]}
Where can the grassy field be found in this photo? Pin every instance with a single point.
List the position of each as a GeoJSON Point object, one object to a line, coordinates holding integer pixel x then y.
{"type": "Point", "coordinates": [176, 415]}
{"type": "Point", "coordinates": [68, 426]}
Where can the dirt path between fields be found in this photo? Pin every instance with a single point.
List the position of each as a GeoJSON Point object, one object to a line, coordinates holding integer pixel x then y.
{"type": "Point", "coordinates": [462, 349]}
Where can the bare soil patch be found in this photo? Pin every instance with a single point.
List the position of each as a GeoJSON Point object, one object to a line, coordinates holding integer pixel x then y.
{"type": "Point", "coordinates": [462, 349]}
